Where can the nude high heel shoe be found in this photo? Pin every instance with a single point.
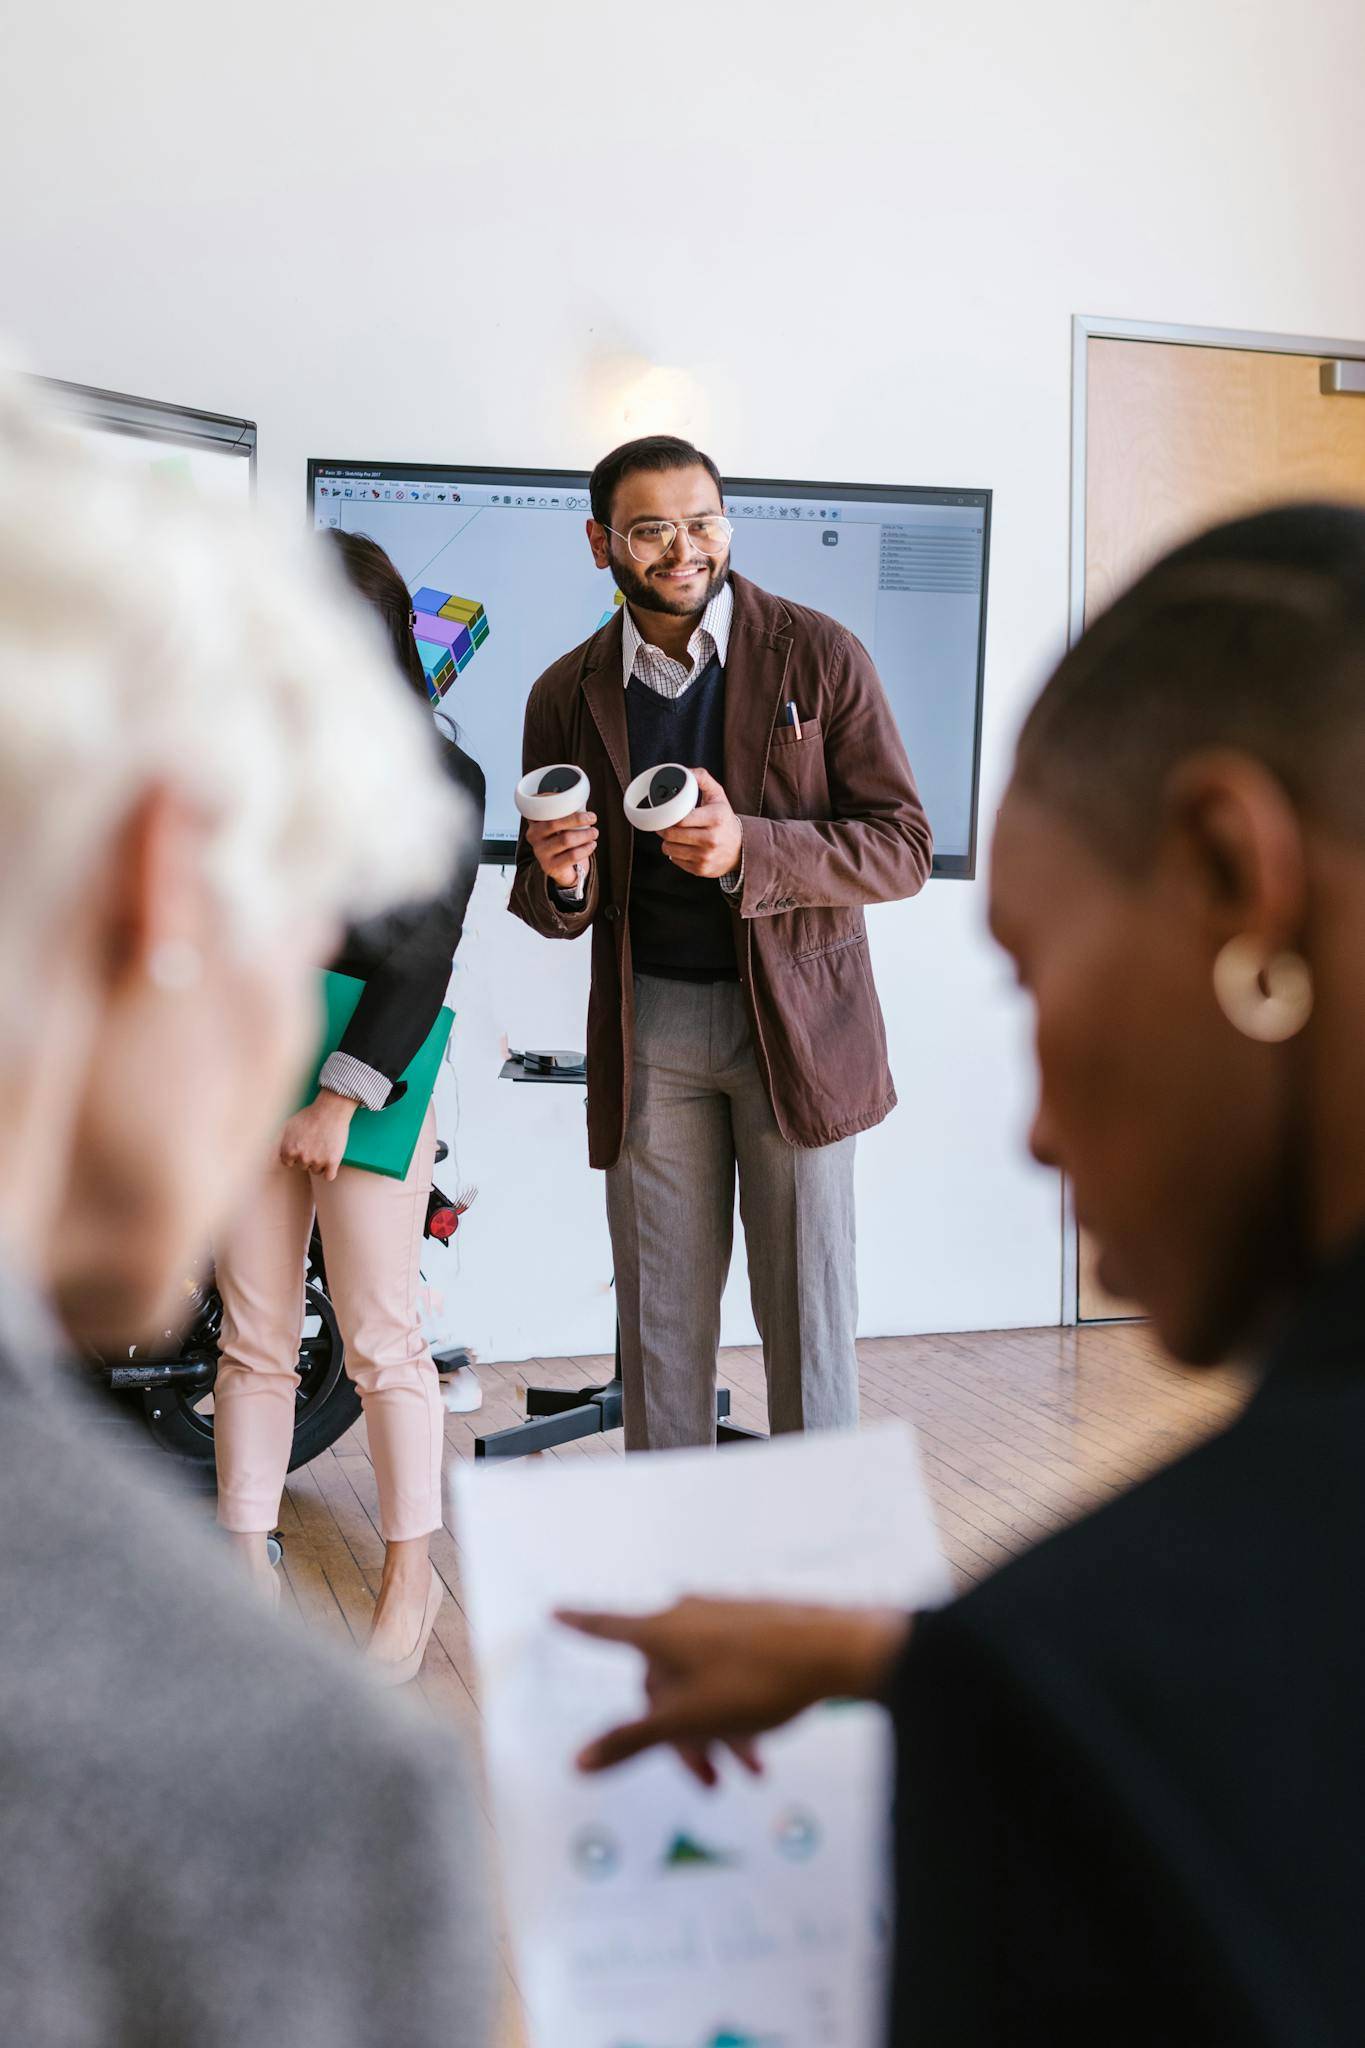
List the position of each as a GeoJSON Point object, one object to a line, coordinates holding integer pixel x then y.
{"type": "Point", "coordinates": [406, 1668]}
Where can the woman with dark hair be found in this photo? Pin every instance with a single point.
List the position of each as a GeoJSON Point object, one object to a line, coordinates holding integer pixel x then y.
{"type": "Point", "coordinates": [373, 576]}
{"type": "Point", "coordinates": [371, 1231]}
{"type": "Point", "coordinates": [1131, 1798]}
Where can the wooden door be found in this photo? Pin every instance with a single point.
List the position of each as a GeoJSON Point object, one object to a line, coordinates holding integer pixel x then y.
{"type": "Point", "coordinates": [1178, 437]}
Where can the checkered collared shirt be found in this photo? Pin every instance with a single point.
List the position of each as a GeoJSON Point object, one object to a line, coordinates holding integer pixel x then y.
{"type": "Point", "coordinates": [639, 657]}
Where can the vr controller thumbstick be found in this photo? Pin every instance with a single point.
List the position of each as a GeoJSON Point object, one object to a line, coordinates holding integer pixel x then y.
{"type": "Point", "coordinates": [666, 784]}
{"type": "Point", "coordinates": [662, 797]}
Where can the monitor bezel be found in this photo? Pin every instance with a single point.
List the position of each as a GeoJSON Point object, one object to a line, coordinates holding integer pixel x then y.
{"type": "Point", "coordinates": [952, 867]}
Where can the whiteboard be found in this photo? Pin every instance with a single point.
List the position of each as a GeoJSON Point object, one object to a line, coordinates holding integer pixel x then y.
{"type": "Point", "coordinates": [211, 454]}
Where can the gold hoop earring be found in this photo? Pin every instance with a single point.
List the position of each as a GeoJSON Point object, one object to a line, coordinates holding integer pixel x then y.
{"type": "Point", "coordinates": [1266, 996]}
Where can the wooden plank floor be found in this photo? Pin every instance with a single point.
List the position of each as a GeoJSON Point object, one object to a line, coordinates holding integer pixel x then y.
{"type": "Point", "coordinates": [1020, 1431]}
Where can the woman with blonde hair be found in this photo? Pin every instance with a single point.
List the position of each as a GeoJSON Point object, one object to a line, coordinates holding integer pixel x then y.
{"type": "Point", "coordinates": [211, 1832]}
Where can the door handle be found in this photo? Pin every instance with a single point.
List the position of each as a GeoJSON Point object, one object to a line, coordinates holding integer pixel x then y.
{"type": "Point", "coordinates": [1342, 378]}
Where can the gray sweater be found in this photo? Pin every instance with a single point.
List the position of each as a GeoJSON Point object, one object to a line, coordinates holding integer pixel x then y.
{"type": "Point", "coordinates": [214, 1833]}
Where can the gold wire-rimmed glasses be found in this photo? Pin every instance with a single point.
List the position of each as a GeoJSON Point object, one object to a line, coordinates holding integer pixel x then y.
{"type": "Point", "coordinates": [649, 540]}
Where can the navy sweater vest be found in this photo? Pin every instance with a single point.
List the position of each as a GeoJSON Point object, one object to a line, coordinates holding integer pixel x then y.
{"type": "Point", "coordinates": [681, 926]}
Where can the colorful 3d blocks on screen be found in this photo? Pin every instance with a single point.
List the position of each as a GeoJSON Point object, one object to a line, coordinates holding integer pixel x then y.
{"type": "Point", "coordinates": [438, 666]}
{"type": "Point", "coordinates": [450, 630]}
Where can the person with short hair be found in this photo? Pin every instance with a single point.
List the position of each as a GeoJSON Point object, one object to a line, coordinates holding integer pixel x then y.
{"type": "Point", "coordinates": [1131, 1802]}
{"type": "Point", "coordinates": [733, 1025]}
{"type": "Point", "coordinates": [214, 1829]}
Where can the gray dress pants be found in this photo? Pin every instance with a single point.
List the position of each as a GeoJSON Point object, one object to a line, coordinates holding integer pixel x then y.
{"type": "Point", "coordinates": [699, 1110]}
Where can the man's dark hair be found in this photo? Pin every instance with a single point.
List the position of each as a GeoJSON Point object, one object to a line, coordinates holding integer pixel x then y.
{"type": "Point", "coordinates": [1250, 637]}
{"type": "Point", "coordinates": [652, 452]}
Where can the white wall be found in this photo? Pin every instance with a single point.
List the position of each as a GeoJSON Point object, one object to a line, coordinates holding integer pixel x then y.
{"type": "Point", "coordinates": [859, 230]}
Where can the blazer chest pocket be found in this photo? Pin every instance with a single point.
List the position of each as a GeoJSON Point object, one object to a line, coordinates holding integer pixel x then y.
{"type": "Point", "coordinates": [796, 785]}
{"type": "Point", "coordinates": [785, 735]}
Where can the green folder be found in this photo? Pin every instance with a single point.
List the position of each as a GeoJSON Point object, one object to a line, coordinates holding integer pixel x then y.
{"type": "Point", "coordinates": [381, 1140]}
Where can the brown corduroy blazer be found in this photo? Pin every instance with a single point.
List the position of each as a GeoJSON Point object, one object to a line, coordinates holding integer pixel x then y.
{"type": "Point", "coordinates": [831, 821]}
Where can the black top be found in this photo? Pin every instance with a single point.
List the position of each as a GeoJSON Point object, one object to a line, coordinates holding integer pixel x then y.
{"type": "Point", "coordinates": [1132, 1764]}
{"type": "Point", "coordinates": [681, 926]}
{"type": "Point", "coordinates": [404, 957]}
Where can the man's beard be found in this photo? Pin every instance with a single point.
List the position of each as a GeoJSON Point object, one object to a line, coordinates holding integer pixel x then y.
{"type": "Point", "coordinates": [650, 598]}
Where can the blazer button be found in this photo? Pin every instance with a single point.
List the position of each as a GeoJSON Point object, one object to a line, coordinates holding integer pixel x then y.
{"type": "Point", "coordinates": [612, 912]}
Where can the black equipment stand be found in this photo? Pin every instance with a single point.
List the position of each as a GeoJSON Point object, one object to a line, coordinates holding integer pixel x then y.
{"type": "Point", "coordinates": [560, 1415]}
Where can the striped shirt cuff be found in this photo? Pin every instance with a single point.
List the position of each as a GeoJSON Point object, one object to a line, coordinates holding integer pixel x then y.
{"type": "Point", "coordinates": [351, 1077]}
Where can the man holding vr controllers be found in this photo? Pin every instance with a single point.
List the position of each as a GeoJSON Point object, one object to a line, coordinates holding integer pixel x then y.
{"type": "Point", "coordinates": [738, 792]}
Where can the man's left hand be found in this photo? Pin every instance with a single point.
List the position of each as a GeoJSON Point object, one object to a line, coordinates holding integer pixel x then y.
{"type": "Point", "coordinates": [709, 840]}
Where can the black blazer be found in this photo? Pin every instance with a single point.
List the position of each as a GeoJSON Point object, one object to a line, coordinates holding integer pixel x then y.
{"type": "Point", "coordinates": [1132, 1764]}
{"type": "Point", "coordinates": [404, 958]}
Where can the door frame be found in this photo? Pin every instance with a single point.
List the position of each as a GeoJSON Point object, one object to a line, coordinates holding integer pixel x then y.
{"type": "Point", "coordinates": [1085, 328]}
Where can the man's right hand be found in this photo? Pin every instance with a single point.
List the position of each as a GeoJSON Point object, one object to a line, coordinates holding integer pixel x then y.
{"type": "Point", "coordinates": [564, 845]}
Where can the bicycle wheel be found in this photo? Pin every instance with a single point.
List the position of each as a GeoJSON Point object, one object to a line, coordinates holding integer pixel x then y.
{"type": "Point", "coordinates": [180, 1418]}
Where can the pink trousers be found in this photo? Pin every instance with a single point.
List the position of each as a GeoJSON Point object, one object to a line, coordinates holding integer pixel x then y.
{"type": "Point", "coordinates": [371, 1231]}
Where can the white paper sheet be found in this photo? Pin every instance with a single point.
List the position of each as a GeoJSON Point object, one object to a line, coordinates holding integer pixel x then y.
{"type": "Point", "coordinates": [647, 1912]}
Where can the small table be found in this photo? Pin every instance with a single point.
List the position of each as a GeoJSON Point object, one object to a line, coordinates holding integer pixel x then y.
{"type": "Point", "coordinates": [560, 1415]}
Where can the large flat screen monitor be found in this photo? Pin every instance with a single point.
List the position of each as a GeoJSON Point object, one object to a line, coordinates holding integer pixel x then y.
{"type": "Point", "coordinates": [503, 582]}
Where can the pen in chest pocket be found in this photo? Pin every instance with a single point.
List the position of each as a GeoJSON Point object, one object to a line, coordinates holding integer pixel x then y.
{"type": "Point", "coordinates": [794, 719]}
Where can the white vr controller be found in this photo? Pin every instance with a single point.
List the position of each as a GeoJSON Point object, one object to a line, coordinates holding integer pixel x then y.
{"type": "Point", "coordinates": [662, 797]}
{"type": "Point", "coordinates": [655, 801]}
{"type": "Point", "coordinates": [548, 793]}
